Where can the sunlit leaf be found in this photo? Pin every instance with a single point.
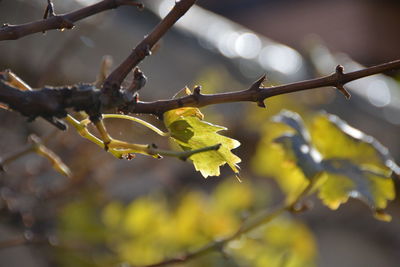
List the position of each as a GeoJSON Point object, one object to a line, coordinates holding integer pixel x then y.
{"type": "Point", "coordinates": [271, 160]}
{"type": "Point", "coordinates": [188, 129]}
{"type": "Point", "coordinates": [334, 138]}
{"type": "Point", "coordinates": [346, 179]}
{"type": "Point", "coordinates": [306, 157]}
{"type": "Point", "coordinates": [297, 145]}
{"type": "Point", "coordinates": [368, 180]}
{"type": "Point", "coordinates": [293, 120]}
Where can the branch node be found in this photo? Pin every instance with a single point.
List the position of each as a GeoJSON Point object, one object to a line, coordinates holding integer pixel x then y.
{"type": "Point", "coordinates": [339, 84]}
{"type": "Point", "coordinates": [301, 207]}
{"type": "Point", "coordinates": [143, 50]}
{"type": "Point", "coordinates": [196, 93]}
{"type": "Point", "coordinates": [139, 80]}
{"type": "Point", "coordinates": [65, 23]}
{"type": "Point", "coordinates": [140, 6]}
{"type": "Point", "coordinates": [339, 69]}
{"type": "Point", "coordinates": [196, 90]}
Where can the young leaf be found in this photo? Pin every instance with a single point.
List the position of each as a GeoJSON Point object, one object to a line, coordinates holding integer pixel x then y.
{"type": "Point", "coordinates": [188, 129]}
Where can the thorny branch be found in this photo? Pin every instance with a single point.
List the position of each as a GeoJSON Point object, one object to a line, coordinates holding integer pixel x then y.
{"type": "Point", "coordinates": [52, 103]}
{"type": "Point", "coordinates": [52, 21]}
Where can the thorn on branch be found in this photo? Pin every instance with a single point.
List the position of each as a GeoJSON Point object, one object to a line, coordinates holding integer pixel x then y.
{"type": "Point", "coordinates": [339, 84]}
{"type": "Point", "coordinates": [261, 104]}
{"type": "Point", "coordinates": [49, 12]}
{"type": "Point", "coordinates": [257, 84]}
{"type": "Point", "coordinates": [256, 87]}
{"type": "Point", "coordinates": [56, 122]}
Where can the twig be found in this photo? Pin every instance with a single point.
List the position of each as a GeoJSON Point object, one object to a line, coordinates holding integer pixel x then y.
{"type": "Point", "coordinates": [14, 242]}
{"type": "Point", "coordinates": [248, 225]}
{"type": "Point", "coordinates": [52, 21]}
{"type": "Point", "coordinates": [258, 94]}
{"type": "Point", "coordinates": [143, 49]}
{"type": "Point", "coordinates": [38, 146]}
{"type": "Point", "coordinates": [51, 103]}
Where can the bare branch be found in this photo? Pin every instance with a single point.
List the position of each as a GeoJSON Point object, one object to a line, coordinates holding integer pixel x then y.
{"type": "Point", "coordinates": [14, 242]}
{"type": "Point", "coordinates": [258, 94]}
{"type": "Point", "coordinates": [143, 49]}
{"type": "Point", "coordinates": [52, 21]}
{"type": "Point", "coordinates": [51, 103]}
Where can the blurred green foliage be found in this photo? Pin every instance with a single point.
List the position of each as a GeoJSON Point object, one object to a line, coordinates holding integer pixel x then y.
{"type": "Point", "coordinates": [154, 227]}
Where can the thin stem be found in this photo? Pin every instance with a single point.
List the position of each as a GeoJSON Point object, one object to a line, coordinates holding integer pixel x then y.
{"type": "Point", "coordinates": [14, 242]}
{"type": "Point", "coordinates": [121, 149]}
{"type": "Point", "coordinates": [259, 93]}
{"type": "Point", "coordinates": [13, 32]}
{"type": "Point", "coordinates": [142, 122]}
{"type": "Point", "coordinates": [37, 146]}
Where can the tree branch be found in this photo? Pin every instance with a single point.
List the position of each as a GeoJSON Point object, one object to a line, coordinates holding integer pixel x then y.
{"type": "Point", "coordinates": [143, 49]}
{"type": "Point", "coordinates": [64, 21]}
{"type": "Point", "coordinates": [51, 103]}
{"type": "Point", "coordinates": [258, 94]}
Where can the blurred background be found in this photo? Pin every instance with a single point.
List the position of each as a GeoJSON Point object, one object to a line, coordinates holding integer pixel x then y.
{"type": "Point", "coordinates": [141, 211]}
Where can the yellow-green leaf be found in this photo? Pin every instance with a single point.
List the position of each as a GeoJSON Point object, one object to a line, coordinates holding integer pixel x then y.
{"type": "Point", "coordinates": [188, 129]}
{"type": "Point", "coordinates": [335, 138]}
{"type": "Point", "coordinates": [347, 172]}
{"type": "Point", "coordinates": [345, 179]}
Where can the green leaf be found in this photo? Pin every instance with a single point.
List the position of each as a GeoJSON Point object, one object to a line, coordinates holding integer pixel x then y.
{"type": "Point", "coordinates": [188, 129]}
{"type": "Point", "coordinates": [348, 172]}
{"type": "Point", "coordinates": [335, 138]}
{"type": "Point", "coordinates": [346, 179]}
{"type": "Point", "coordinates": [307, 158]}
